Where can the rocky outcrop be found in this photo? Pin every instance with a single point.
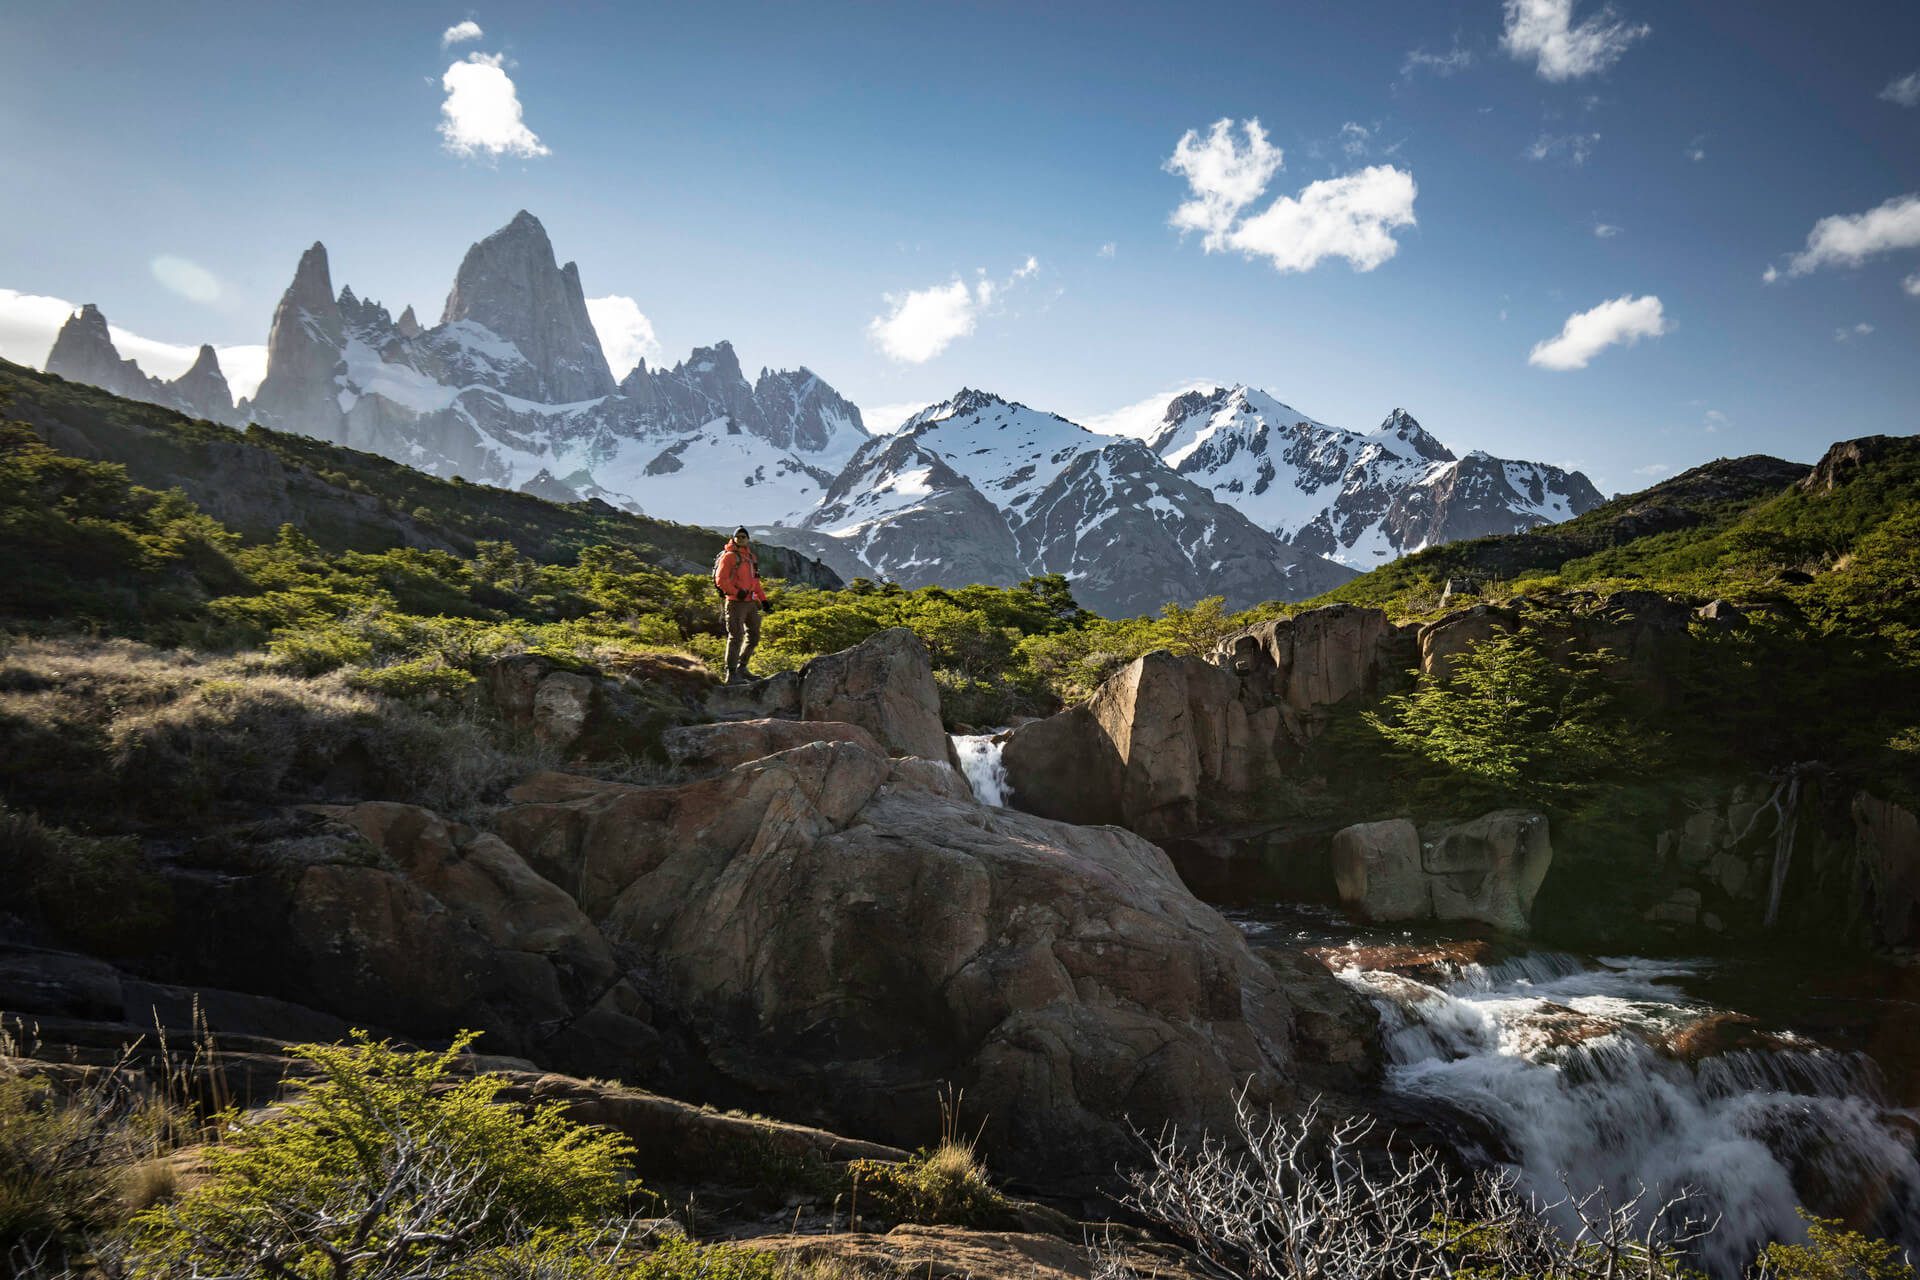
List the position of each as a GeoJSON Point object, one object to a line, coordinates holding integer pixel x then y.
{"type": "Point", "coordinates": [594, 715]}
{"type": "Point", "coordinates": [1170, 747]}
{"type": "Point", "coordinates": [1487, 871]}
{"type": "Point", "coordinates": [510, 286]}
{"type": "Point", "coordinates": [839, 929]}
{"type": "Point", "coordinates": [1157, 742]}
{"type": "Point", "coordinates": [885, 685]}
{"type": "Point", "coordinates": [84, 352]}
{"type": "Point", "coordinates": [303, 354]}
{"type": "Point", "coordinates": [730, 743]}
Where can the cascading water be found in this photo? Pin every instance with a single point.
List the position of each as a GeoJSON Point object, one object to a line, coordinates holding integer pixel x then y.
{"type": "Point", "coordinates": [986, 771]}
{"type": "Point", "coordinates": [1579, 1070]}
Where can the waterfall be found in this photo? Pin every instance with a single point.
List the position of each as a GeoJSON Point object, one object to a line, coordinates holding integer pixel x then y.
{"type": "Point", "coordinates": [986, 771]}
{"type": "Point", "coordinates": [1575, 1069]}
{"type": "Point", "coordinates": [1789, 812]}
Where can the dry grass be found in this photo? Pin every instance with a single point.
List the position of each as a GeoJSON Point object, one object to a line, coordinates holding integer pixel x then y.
{"type": "Point", "coordinates": [106, 733]}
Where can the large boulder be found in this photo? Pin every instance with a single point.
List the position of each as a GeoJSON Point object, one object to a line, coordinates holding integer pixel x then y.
{"type": "Point", "coordinates": [885, 685]}
{"type": "Point", "coordinates": [839, 931]}
{"type": "Point", "coordinates": [730, 742]}
{"type": "Point", "coordinates": [1163, 745]}
{"type": "Point", "coordinates": [1487, 871]}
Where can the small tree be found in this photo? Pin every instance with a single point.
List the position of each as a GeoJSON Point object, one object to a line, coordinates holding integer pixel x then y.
{"type": "Point", "coordinates": [1515, 723]}
{"type": "Point", "coordinates": [387, 1165]}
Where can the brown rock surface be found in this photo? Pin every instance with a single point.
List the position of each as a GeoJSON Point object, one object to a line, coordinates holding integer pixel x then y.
{"type": "Point", "coordinates": [839, 935]}
{"type": "Point", "coordinates": [885, 685]}
{"type": "Point", "coordinates": [728, 743]}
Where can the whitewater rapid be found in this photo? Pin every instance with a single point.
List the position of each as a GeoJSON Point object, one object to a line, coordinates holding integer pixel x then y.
{"type": "Point", "coordinates": [1576, 1066]}
{"type": "Point", "coordinates": [986, 771]}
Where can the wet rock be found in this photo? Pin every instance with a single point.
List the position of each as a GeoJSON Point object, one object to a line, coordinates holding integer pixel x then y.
{"type": "Point", "coordinates": [1887, 840]}
{"type": "Point", "coordinates": [1488, 870]}
{"type": "Point", "coordinates": [1681, 907]}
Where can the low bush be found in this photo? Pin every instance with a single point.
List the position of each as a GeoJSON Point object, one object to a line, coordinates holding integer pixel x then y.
{"type": "Point", "coordinates": [386, 1164]}
{"type": "Point", "coordinates": [946, 1185]}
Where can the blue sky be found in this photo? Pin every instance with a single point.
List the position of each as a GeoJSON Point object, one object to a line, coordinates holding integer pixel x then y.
{"type": "Point", "coordinates": [786, 175]}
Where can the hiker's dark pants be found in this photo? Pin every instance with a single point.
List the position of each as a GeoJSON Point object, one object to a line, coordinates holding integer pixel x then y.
{"type": "Point", "coordinates": [743, 632]}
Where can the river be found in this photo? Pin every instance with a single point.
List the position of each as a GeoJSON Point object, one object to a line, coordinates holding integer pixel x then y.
{"type": "Point", "coordinates": [1619, 1072]}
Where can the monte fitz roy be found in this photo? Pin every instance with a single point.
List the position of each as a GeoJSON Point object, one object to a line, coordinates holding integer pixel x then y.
{"type": "Point", "coordinates": [1230, 492]}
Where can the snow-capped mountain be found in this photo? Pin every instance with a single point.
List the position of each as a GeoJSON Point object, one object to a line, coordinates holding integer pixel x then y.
{"type": "Point", "coordinates": [512, 388]}
{"type": "Point", "coordinates": [1360, 499]}
{"type": "Point", "coordinates": [980, 489]}
{"type": "Point", "coordinates": [1232, 493]}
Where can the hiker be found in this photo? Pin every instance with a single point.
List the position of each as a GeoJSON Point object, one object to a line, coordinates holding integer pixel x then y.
{"type": "Point", "coordinates": [736, 575]}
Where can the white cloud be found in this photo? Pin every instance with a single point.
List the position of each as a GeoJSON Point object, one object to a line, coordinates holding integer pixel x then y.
{"type": "Point", "coordinates": [1576, 147]}
{"type": "Point", "coordinates": [1224, 177]}
{"type": "Point", "coordinates": [1846, 333]}
{"type": "Point", "coordinates": [1605, 230]}
{"type": "Point", "coordinates": [1107, 250]}
{"type": "Point", "coordinates": [1912, 285]}
{"type": "Point", "coordinates": [1696, 149]}
{"type": "Point", "coordinates": [1141, 418]}
{"type": "Point", "coordinates": [1351, 217]}
{"type": "Point", "coordinates": [626, 335]}
{"type": "Point", "coordinates": [1904, 90]}
{"type": "Point", "coordinates": [885, 419]}
{"type": "Point", "coordinates": [1652, 469]}
{"type": "Point", "coordinates": [459, 33]}
{"type": "Point", "coordinates": [482, 113]}
{"type": "Point", "coordinates": [1353, 139]}
{"type": "Point", "coordinates": [1625, 319]}
{"type": "Point", "coordinates": [29, 322]}
{"type": "Point", "coordinates": [1715, 421]}
{"type": "Point", "coordinates": [1848, 240]}
{"type": "Point", "coordinates": [188, 279]}
{"type": "Point", "coordinates": [925, 322]}
{"type": "Point", "coordinates": [1449, 63]}
{"type": "Point", "coordinates": [1544, 31]}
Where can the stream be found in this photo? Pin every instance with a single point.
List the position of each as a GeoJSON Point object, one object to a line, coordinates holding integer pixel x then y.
{"type": "Point", "coordinates": [1615, 1072]}
{"type": "Point", "coordinates": [1618, 1073]}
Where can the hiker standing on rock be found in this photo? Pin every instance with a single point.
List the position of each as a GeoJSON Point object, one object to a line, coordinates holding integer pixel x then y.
{"type": "Point", "coordinates": [736, 574]}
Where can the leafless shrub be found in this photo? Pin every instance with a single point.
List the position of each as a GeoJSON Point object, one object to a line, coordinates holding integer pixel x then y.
{"type": "Point", "coordinates": [1300, 1198]}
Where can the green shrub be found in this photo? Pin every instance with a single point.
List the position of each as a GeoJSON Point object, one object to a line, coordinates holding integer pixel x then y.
{"type": "Point", "coordinates": [1834, 1253]}
{"type": "Point", "coordinates": [387, 1161]}
{"type": "Point", "coordinates": [96, 893]}
{"type": "Point", "coordinates": [421, 679]}
{"type": "Point", "coordinates": [945, 1185]}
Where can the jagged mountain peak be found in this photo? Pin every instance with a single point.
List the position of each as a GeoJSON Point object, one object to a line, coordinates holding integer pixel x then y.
{"type": "Point", "coordinates": [510, 286]}
{"type": "Point", "coordinates": [1401, 427]}
{"type": "Point", "coordinates": [206, 362]}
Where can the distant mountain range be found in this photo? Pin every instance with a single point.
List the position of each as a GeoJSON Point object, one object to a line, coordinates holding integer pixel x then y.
{"type": "Point", "coordinates": [1233, 494]}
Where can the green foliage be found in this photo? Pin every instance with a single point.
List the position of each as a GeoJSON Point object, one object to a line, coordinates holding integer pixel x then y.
{"type": "Point", "coordinates": [1834, 1253]}
{"type": "Point", "coordinates": [1510, 722]}
{"type": "Point", "coordinates": [92, 892]}
{"type": "Point", "coordinates": [422, 679]}
{"type": "Point", "coordinates": [945, 1185]}
{"type": "Point", "coordinates": [388, 1159]}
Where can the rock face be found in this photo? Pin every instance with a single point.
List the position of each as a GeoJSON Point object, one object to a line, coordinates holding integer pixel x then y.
{"type": "Point", "coordinates": [512, 388]}
{"type": "Point", "coordinates": [1169, 746]}
{"type": "Point", "coordinates": [1888, 839]}
{"type": "Point", "coordinates": [837, 933]}
{"type": "Point", "coordinates": [885, 685]}
{"type": "Point", "coordinates": [1156, 742]}
{"type": "Point", "coordinates": [84, 352]}
{"type": "Point", "coordinates": [1487, 870]}
{"type": "Point", "coordinates": [510, 286]}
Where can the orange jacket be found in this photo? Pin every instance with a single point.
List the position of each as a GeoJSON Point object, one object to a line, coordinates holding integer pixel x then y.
{"type": "Point", "coordinates": [737, 573]}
